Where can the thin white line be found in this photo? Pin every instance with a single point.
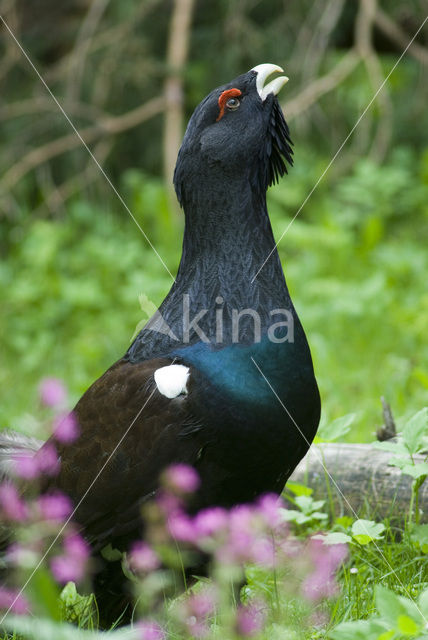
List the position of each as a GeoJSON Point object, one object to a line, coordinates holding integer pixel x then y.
{"type": "Point", "coordinates": [340, 148]}
{"type": "Point", "coordinates": [333, 481]}
{"type": "Point", "coordinates": [121, 200]}
{"type": "Point", "coordinates": [78, 504]}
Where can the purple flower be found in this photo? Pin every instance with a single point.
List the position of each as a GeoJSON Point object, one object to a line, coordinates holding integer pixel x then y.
{"type": "Point", "coordinates": [65, 570]}
{"type": "Point", "coordinates": [181, 478]}
{"type": "Point", "coordinates": [71, 566]}
{"type": "Point", "coordinates": [76, 547]}
{"type": "Point", "coordinates": [263, 552]}
{"type": "Point", "coordinates": [48, 460]}
{"type": "Point", "coordinates": [268, 506]}
{"type": "Point", "coordinates": [52, 392]}
{"type": "Point", "coordinates": [150, 630]}
{"type": "Point", "coordinates": [167, 502]}
{"type": "Point", "coordinates": [13, 507]}
{"type": "Point", "coordinates": [143, 558]}
{"type": "Point", "coordinates": [242, 518]}
{"type": "Point", "coordinates": [26, 465]}
{"type": "Point", "coordinates": [202, 604]}
{"type": "Point", "coordinates": [14, 601]}
{"type": "Point", "coordinates": [66, 428]}
{"type": "Point", "coordinates": [250, 619]}
{"type": "Point", "coordinates": [210, 521]}
{"type": "Point", "coordinates": [326, 559]}
{"type": "Point", "coordinates": [181, 527]}
{"type": "Point", "coordinates": [55, 506]}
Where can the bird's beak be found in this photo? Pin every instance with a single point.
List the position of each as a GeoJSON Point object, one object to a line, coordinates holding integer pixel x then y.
{"type": "Point", "coordinates": [274, 86]}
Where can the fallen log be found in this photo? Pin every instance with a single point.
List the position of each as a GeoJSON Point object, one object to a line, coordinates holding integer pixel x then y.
{"type": "Point", "coordinates": [359, 481]}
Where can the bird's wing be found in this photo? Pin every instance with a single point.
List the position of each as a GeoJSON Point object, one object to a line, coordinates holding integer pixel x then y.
{"type": "Point", "coordinates": [134, 422]}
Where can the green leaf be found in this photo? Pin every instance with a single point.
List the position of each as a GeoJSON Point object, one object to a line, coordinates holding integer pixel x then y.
{"type": "Point", "coordinates": [305, 503]}
{"type": "Point", "coordinates": [39, 628]}
{"type": "Point", "coordinates": [45, 592]}
{"type": "Point", "coordinates": [414, 431]}
{"type": "Point", "coordinates": [423, 600]}
{"type": "Point", "coordinates": [388, 604]}
{"type": "Point", "coordinates": [361, 630]}
{"type": "Point", "coordinates": [333, 430]}
{"type": "Point", "coordinates": [344, 521]}
{"type": "Point", "coordinates": [400, 462]}
{"type": "Point", "coordinates": [416, 470]}
{"type": "Point", "coordinates": [394, 447]}
{"type": "Point", "coordinates": [334, 537]}
{"type": "Point", "coordinates": [299, 489]}
{"type": "Point", "coordinates": [407, 625]}
{"type": "Point", "coordinates": [365, 531]}
{"type": "Point", "coordinates": [419, 535]}
{"type": "Point", "coordinates": [76, 605]}
{"type": "Point", "coordinates": [292, 515]}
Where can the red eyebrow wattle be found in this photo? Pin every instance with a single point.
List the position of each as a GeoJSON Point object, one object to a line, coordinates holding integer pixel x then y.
{"type": "Point", "coordinates": [224, 97]}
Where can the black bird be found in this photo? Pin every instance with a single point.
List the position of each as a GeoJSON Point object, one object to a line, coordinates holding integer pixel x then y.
{"type": "Point", "coordinates": [221, 378]}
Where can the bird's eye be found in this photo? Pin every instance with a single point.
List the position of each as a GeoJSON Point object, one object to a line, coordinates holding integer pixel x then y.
{"type": "Point", "coordinates": [233, 103]}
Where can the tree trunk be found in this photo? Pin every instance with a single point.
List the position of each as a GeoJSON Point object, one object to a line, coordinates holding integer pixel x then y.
{"type": "Point", "coordinates": [359, 481]}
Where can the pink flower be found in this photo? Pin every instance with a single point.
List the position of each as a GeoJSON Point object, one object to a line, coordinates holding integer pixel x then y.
{"type": "Point", "coordinates": [250, 619]}
{"type": "Point", "coordinates": [167, 502]}
{"type": "Point", "coordinates": [48, 460]}
{"type": "Point", "coordinates": [181, 478]}
{"type": "Point", "coordinates": [65, 570]}
{"type": "Point", "coordinates": [143, 558]}
{"type": "Point", "coordinates": [66, 428]}
{"type": "Point", "coordinates": [71, 566]}
{"type": "Point", "coordinates": [321, 582]}
{"type": "Point", "coordinates": [52, 392]}
{"type": "Point", "coordinates": [13, 507]}
{"type": "Point", "coordinates": [14, 601]}
{"type": "Point", "coordinates": [55, 506]}
{"type": "Point", "coordinates": [202, 604]}
{"type": "Point", "coordinates": [242, 518]}
{"type": "Point", "coordinates": [268, 506]}
{"type": "Point", "coordinates": [263, 552]}
{"type": "Point", "coordinates": [150, 630]}
{"type": "Point", "coordinates": [76, 547]}
{"type": "Point", "coordinates": [181, 527]}
{"type": "Point", "coordinates": [208, 522]}
{"type": "Point", "coordinates": [26, 465]}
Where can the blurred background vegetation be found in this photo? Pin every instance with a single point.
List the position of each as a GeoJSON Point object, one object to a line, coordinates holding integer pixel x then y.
{"type": "Point", "coordinates": [128, 75]}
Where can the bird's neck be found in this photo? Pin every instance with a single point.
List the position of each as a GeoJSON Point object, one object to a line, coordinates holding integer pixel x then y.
{"type": "Point", "coordinates": [219, 294]}
{"type": "Point", "coordinates": [227, 239]}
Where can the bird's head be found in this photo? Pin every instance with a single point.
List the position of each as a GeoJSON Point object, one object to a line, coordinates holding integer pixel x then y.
{"type": "Point", "coordinates": [238, 129]}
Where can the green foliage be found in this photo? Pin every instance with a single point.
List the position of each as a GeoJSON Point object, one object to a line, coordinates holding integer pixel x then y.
{"type": "Point", "coordinates": [399, 617]}
{"type": "Point", "coordinates": [330, 431]}
{"type": "Point", "coordinates": [413, 440]}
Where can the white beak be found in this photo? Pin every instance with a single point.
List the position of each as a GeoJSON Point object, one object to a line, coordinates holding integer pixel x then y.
{"type": "Point", "coordinates": [274, 86]}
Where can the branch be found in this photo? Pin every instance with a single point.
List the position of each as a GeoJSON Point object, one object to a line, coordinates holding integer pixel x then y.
{"type": "Point", "coordinates": [45, 103]}
{"type": "Point", "coordinates": [319, 87]}
{"type": "Point", "coordinates": [178, 47]}
{"type": "Point", "coordinates": [364, 45]}
{"type": "Point", "coordinates": [360, 480]}
{"type": "Point", "coordinates": [57, 197]}
{"type": "Point", "coordinates": [108, 126]}
{"type": "Point", "coordinates": [82, 46]}
{"type": "Point", "coordinates": [399, 36]}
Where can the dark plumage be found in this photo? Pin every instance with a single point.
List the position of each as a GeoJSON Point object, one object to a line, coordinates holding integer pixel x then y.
{"type": "Point", "coordinates": [227, 422]}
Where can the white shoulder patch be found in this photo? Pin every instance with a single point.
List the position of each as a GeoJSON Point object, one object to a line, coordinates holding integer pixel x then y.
{"type": "Point", "coordinates": [171, 381]}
